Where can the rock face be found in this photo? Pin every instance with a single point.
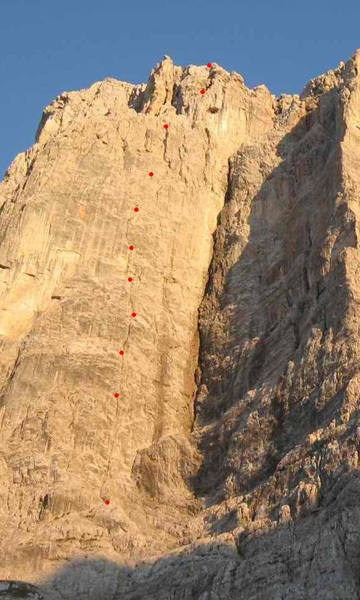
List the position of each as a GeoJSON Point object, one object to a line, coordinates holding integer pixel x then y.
{"type": "Point", "coordinates": [179, 356]}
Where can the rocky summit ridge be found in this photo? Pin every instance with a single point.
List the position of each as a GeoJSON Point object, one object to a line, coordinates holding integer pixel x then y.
{"type": "Point", "coordinates": [179, 343]}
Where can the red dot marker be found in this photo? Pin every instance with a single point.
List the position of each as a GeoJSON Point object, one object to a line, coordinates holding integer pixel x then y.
{"type": "Point", "coordinates": [116, 395]}
{"type": "Point", "coordinates": [136, 209]}
{"type": "Point", "coordinates": [202, 91]}
{"type": "Point", "coordinates": [151, 174]}
{"type": "Point", "coordinates": [107, 501]}
{"type": "Point", "coordinates": [130, 279]}
{"type": "Point", "coordinates": [133, 314]}
{"type": "Point", "coordinates": [166, 126]}
{"type": "Point", "coordinates": [209, 65]}
{"type": "Point", "coordinates": [121, 352]}
{"type": "Point", "coordinates": [131, 247]}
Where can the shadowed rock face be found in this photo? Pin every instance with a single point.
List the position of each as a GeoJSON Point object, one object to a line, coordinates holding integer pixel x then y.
{"type": "Point", "coordinates": [229, 455]}
{"type": "Point", "coordinates": [19, 589]}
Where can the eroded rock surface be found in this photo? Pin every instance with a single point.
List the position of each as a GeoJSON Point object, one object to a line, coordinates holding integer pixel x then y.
{"type": "Point", "coordinates": [229, 457]}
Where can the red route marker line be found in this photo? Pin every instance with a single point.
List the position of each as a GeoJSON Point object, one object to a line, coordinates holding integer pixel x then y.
{"type": "Point", "coordinates": [136, 209]}
{"type": "Point", "coordinates": [208, 65]}
{"type": "Point", "coordinates": [121, 352]}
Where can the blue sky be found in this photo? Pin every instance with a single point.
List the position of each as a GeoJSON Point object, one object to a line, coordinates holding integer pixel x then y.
{"type": "Point", "coordinates": [47, 47]}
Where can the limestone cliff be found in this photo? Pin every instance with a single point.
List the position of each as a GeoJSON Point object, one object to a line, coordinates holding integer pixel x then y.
{"type": "Point", "coordinates": [179, 342]}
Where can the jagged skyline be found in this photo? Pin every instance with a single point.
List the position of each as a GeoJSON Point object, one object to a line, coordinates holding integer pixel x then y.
{"type": "Point", "coordinates": [46, 50]}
